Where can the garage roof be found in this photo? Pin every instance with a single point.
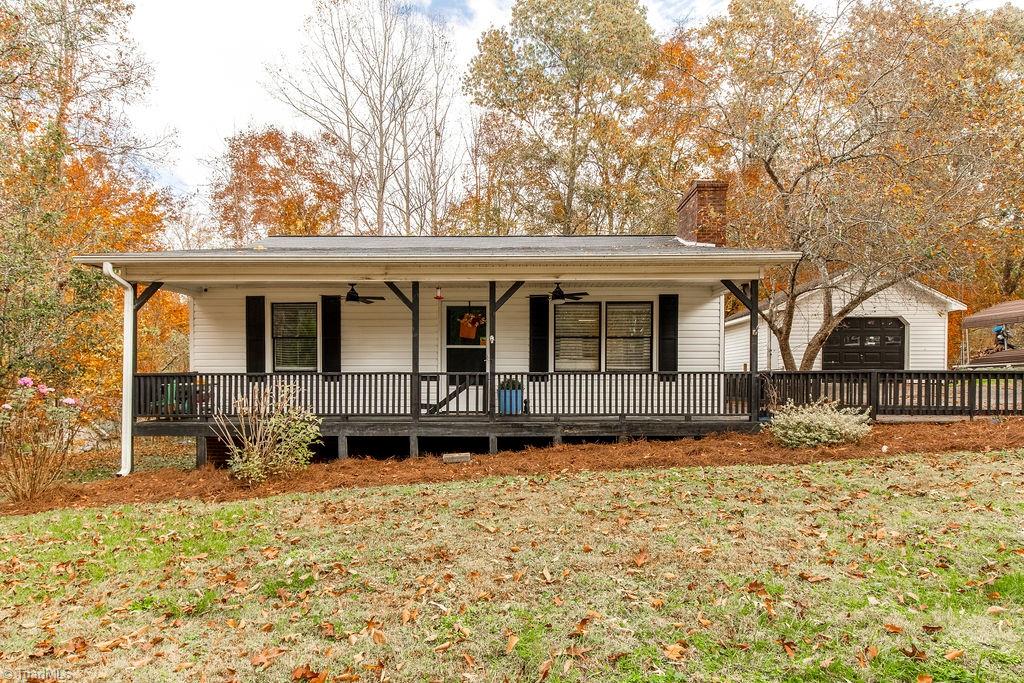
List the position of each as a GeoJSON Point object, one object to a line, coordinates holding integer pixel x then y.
{"type": "Point", "coordinates": [951, 303]}
{"type": "Point", "coordinates": [1006, 313]}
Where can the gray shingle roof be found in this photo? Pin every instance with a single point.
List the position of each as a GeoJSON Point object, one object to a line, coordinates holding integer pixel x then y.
{"type": "Point", "coordinates": [416, 248]}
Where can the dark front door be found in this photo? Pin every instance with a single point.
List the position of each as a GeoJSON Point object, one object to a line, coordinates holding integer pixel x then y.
{"type": "Point", "coordinates": [865, 344]}
{"type": "Point", "coordinates": [465, 340]}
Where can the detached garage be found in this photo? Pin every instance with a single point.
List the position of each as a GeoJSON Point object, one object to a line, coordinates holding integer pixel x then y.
{"type": "Point", "coordinates": [902, 328]}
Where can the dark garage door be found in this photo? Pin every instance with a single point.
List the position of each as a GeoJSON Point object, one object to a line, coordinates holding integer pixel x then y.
{"type": "Point", "coordinates": [865, 344]}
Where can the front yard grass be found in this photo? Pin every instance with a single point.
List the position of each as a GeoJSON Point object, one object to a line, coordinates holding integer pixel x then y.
{"type": "Point", "coordinates": [909, 569]}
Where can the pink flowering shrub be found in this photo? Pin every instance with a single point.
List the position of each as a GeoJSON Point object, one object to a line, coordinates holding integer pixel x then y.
{"type": "Point", "coordinates": [37, 429]}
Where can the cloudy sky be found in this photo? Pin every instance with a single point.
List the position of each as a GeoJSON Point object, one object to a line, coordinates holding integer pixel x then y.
{"type": "Point", "coordinates": [209, 59]}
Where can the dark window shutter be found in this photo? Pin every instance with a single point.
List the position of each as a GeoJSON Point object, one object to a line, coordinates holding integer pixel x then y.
{"type": "Point", "coordinates": [255, 334]}
{"type": "Point", "coordinates": [539, 333]}
{"type": "Point", "coordinates": [330, 340]}
{"type": "Point", "coordinates": [668, 333]}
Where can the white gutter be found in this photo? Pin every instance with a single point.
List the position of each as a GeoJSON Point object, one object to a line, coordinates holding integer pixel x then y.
{"type": "Point", "coordinates": [127, 369]}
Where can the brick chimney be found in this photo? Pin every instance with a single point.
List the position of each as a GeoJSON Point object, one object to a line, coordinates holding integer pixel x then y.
{"type": "Point", "coordinates": [702, 212]}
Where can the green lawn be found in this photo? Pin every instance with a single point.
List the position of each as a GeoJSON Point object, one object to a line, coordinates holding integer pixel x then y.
{"type": "Point", "coordinates": [876, 571]}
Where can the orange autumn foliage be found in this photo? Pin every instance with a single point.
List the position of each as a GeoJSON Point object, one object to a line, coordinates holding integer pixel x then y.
{"type": "Point", "coordinates": [273, 183]}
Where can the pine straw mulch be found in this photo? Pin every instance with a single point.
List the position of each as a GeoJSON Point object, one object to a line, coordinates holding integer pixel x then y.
{"type": "Point", "coordinates": [715, 450]}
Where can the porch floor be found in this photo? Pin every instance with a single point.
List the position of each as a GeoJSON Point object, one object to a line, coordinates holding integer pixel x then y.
{"type": "Point", "coordinates": [483, 426]}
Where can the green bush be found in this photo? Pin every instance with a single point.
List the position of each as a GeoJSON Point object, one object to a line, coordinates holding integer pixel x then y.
{"type": "Point", "coordinates": [818, 424]}
{"type": "Point", "coordinates": [272, 436]}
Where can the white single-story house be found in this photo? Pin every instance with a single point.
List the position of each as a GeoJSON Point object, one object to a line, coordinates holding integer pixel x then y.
{"type": "Point", "coordinates": [904, 327]}
{"type": "Point", "coordinates": [495, 337]}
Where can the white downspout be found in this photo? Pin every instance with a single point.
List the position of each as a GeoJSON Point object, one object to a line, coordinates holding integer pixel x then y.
{"type": "Point", "coordinates": [127, 369]}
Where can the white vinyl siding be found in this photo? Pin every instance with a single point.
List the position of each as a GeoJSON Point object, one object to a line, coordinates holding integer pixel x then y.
{"type": "Point", "coordinates": [377, 337]}
{"type": "Point", "coordinates": [924, 317]}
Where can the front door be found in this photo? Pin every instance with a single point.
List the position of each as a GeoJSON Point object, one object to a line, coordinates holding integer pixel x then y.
{"type": "Point", "coordinates": [465, 340]}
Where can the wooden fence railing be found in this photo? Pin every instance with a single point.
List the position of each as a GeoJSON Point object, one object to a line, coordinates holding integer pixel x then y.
{"type": "Point", "coordinates": [684, 395]}
{"type": "Point", "coordinates": [901, 392]}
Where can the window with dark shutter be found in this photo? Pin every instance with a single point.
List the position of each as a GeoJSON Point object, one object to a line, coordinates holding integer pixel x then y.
{"type": "Point", "coordinates": [294, 333]}
{"type": "Point", "coordinates": [330, 342]}
{"type": "Point", "coordinates": [668, 334]}
{"type": "Point", "coordinates": [539, 334]}
{"type": "Point", "coordinates": [255, 334]}
{"type": "Point", "coordinates": [578, 336]}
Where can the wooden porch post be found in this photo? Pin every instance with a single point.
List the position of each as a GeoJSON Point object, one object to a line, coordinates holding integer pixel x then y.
{"type": "Point", "coordinates": [755, 383]}
{"type": "Point", "coordinates": [414, 390]}
{"type": "Point", "coordinates": [492, 359]}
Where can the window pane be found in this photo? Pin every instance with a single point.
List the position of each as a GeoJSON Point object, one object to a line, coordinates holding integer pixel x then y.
{"type": "Point", "coordinates": [577, 336]}
{"type": "Point", "coordinates": [294, 320]}
{"type": "Point", "coordinates": [630, 332]}
{"type": "Point", "coordinates": [628, 354]}
{"type": "Point", "coordinates": [294, 331]}
{"type": "Point", "coordinates": [573, 353]}
{"type": "Point", "coordinates": [578, 320]}
{"type": "Point", "coordinates": [466, 325]}
{"type": "Point", "coordinates": [629, 320]}
{"type": "Point", "coordinates": [295, 354]}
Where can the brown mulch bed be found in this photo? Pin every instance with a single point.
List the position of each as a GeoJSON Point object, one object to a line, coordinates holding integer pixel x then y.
{"type": "Point", "coordinates": [718, 449]}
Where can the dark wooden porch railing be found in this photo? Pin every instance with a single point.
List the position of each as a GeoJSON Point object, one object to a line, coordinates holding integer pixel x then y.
{"type": "Point", "coordinates": [383, 394]}
{"type": "Point", "coordinates": [684, 395]}
{"type": "Point", "coordinates": [901, 392]}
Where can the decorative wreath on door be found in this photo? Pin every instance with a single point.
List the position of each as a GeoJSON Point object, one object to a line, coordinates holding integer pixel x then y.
{"type": "Point", "coordinates": [468, 325]}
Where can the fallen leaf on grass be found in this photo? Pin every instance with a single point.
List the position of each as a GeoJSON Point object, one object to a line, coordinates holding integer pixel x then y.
{"type": "Point", "coordinates": [674, 651]}
{"type": "Point", "coordinates": [580, 629]}
{"type": "Point", "coordinates": [953, 655]}
{"type": "Point", "coordinates": [511, 645]}
{"type": "Point", "coordinates": [545, 668]}
{"type": "Point", "coordinates": [931, 629]}
{"type": "Point", "coordinates": [640, 559]}
{"type": "Point", "coordinates": [812, 578]}
{"type": "Point", "coordinates": [306, 675]}
{"type": "Point", "coordinates": [924, 678]}
{"type": "Point", "coordinates": [914, 653]}
{"type": "Point", "coordinates": [893, 628]}
{"type": "Point", "coordinates": [995, 609]}
{"type": "Point", "coordinates": [266, 657]}
{"type": "Point", "coordinates": [866, 655]}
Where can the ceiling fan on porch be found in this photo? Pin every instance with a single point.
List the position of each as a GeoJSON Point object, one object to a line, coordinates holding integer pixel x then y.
{"type": "Point", "coordinates": [557, 295]}
{"type": "Point", "coordinates": [353, 296]}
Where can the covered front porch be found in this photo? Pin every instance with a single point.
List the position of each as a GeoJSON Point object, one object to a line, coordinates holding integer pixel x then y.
{"type": "Point", "coordinates": [612, 359]}
{"type": "Point", "coordinates": [481, 337]}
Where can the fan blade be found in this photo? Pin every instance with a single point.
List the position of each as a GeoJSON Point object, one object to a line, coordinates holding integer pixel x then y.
{"type": "Point", "coordinates": [365, 300]}
{"type": "Point", "coordinates": [576, 296]}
